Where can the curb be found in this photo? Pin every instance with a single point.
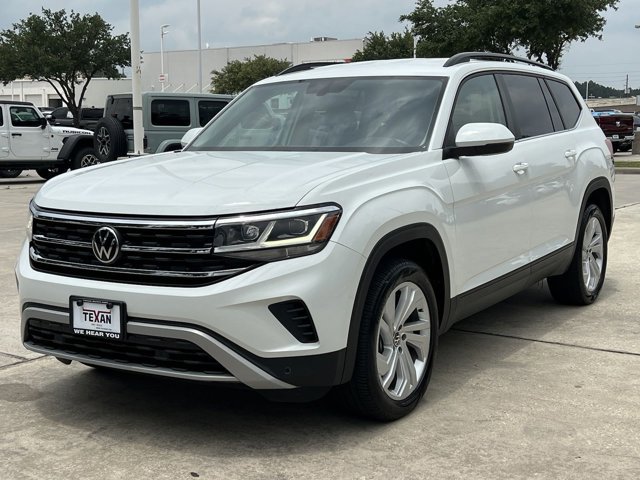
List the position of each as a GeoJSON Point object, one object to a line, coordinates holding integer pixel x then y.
{"type": "Point", "coordinates": [629, 170]}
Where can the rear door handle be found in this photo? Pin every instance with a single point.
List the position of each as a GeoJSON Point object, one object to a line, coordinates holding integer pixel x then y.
{"type": "Point", "coordinates": [520, 168]}
{"type": "Point", "coordinates": [16, 134]}
{"type": "Point", "coordinates": [570, 154]}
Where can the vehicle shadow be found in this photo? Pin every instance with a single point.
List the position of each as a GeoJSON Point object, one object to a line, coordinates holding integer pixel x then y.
{"type": "Point", "coordinates": [222, 422]}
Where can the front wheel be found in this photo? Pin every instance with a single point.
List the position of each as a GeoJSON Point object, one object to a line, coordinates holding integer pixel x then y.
{"type": "Point", "coordinates": [581, 283]}
{"type": "Point", "coordinates": [84, 157]}
{"type": "Point", "coordinates": [397, 343]}
{"type": "Point", "coordinates": [10, 172]}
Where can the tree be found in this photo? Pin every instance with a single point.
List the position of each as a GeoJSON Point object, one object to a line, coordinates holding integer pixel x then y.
{"type": "Point", "coordinates": [66, 51]}
{"type": "Point", "coordinates": [544, 28]}
{"type": "Point", "coordinates": [377, 46]}
{"type": "Point", "coordinates": [238, 75]}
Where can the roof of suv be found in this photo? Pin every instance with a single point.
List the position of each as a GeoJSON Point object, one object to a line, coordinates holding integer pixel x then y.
{"type": "Point", "coordinates": [438, 67]}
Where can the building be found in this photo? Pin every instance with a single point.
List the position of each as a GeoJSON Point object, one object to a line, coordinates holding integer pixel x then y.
{"type": "Point", "coordinates": [181, 70]}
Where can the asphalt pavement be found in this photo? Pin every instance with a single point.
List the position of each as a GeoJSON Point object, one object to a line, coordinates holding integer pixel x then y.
{"type": "Point", "coordinates": [526, 389]}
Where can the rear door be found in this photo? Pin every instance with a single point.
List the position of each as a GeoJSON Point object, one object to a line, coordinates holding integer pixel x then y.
{"type": "Point", "coordinates": [169, 119]}
{"type": "Point", "coordinates": [546, 113]}
{"type": "Point", "coordinates": [27, 139]}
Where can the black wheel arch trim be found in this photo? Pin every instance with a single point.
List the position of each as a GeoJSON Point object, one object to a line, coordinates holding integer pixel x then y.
{"type": "Point", "coordinates": [597, 184]}
{"type": "Point", "coordinates": [418, 231]}
{"type": "Point", "coordinates": [71, 145]}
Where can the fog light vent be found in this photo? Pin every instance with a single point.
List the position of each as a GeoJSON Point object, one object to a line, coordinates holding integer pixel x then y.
{"type": "Point", "coordinates": [295, 317]}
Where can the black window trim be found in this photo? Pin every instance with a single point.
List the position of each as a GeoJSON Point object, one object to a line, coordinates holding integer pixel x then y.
{"type": "Point", "coordinates": [578, 102]}
{"type": "Point", "coordinates": [447, 141]}
{"type": "Point", "coordinates": [552, 106]}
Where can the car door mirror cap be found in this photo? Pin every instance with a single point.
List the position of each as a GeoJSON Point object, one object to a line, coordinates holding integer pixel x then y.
{"type": "Point", "coordinates": [43, 123]}
{"type": "Point", "coordinates": [477, 139]}
{"type": "Point", "coordinates": [189, 136]}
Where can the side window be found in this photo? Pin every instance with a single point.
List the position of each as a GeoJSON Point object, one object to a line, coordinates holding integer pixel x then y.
{"type": "Point", "coordinates": [566, 102]}
{"type": "Point", "coordinates": [478, 101]}
{"type": "Point", "coordinates": [529, 106]}
{"type": "Point", "coordinates": [24, 117]}
{"type": "Point", "coordinates": [173, 113]}
{"type": "Point", "coordinates": [122, 110]}
{"type": "Point", "coordinates": [207, 109]}
{"type": "Point", "coordinates": [553, 109]}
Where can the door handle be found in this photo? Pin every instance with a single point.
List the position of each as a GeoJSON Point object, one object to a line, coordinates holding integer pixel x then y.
{"type": "Point", "coordinates": [520, 168]}
{"type": "Point", "coordinates": [570, 154]}
{"type": "Point", "coordinates": [16, 134]}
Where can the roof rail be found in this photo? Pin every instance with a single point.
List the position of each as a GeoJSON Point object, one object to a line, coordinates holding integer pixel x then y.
{"type": "Point", "coordinates": [468, 56]}
{"type": "Point", "coordinates": [307, 66]}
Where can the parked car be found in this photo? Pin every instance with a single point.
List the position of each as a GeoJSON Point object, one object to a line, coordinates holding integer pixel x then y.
{"type": "Point", "coordinates": [166, 117]}
{"type": "Point", "coordinates": [618, 127]}
{"type": "Point", "coordinates": [46, 110]}
{"type": "Point", "coordinates": [324, 229]}
{"type": "Point", "coordinates": [27, 141]}
{"type": "Point", "coordinates": [88, 117]}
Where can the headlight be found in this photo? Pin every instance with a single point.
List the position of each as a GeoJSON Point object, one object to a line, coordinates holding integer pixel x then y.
{"type": "Point", "coordinates": [276, 236]}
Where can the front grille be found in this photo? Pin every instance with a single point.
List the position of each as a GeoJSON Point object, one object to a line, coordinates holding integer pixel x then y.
{"type": "Point", "coordinates": [152, 252]}
{"type": "Point", "coordinates": [143, 350]}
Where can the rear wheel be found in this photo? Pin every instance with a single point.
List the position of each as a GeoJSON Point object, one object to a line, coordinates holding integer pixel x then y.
{"type": "Point", "coordinates": [84, 157]}
{"type": "Point", "coordinates": [397, 342]}
{"type": "Point", "coordinates": [581, 283]}
{"type": "Point", "coordinates": [10, 172]}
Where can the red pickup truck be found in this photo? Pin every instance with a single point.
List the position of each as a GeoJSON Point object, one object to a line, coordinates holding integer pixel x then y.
{"type": "Point", "coordinates": [618, 127]}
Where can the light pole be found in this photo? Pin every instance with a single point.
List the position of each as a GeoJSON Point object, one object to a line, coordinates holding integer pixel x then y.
{"type": "Point", "coordinates": [163, 32]}
{"type": "Point", "coordinates": [199, 51]}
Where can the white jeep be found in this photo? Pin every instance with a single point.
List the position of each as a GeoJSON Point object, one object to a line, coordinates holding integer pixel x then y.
{"type": "Point", "coordinates": [325, 229]}
{"type": "Point", "coordinates": [27, 141]}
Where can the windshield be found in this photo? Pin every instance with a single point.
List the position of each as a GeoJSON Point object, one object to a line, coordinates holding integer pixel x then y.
{"type": "Point", "coordinates": [332, 114]}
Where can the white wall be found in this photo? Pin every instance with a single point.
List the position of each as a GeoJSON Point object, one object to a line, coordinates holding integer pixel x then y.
{"type": "Point", "coordinates": [182, 65]}
{"type": "Point", "coordinates": [40, 93]}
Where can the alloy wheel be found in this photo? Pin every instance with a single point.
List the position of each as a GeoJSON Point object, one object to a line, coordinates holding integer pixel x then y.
{"type": "Point", "coordinates": [404, 336]}
{"type": "Point", "coordinates": [592, 254]}
{"type": "Point", "coordinates": [104, 141]}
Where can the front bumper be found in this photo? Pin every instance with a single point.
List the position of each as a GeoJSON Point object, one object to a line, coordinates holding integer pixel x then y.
{"type": "Point", "coordinates": [230, 320]}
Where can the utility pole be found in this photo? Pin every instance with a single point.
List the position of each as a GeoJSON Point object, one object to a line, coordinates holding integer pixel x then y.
{"type": "Point", "coordinates": [626, 86]}
{"type": "Point", "coordinates": [136, 80]}
{"type": "Point", "coordinates": [199, 52]}
{"type": "Point", "coordinates": [586, 95]}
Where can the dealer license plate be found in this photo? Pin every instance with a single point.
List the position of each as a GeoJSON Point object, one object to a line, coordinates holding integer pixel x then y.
{"type": "Point", "coordinates": [97, 318]}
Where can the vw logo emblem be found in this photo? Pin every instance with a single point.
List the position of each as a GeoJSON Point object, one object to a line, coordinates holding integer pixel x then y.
{"type": "Point", "coordinates": [106, 245]}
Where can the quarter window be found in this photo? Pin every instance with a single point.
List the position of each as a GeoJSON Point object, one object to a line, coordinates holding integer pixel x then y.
{"type": "Point", "coordinates": [174, 113]}
{"type": "Point", "coordinates": [24, 117]}
{"type": "Point", "coordinates": [478, 101]}
{"type": "Point", "coordinates": [566, 102]}
{"type": "Point", "coordinates": [529, 106]}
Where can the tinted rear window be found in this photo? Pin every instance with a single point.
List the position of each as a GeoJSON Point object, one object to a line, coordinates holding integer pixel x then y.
{"type": "Point", "coordinates": [566, 102]}
{"type": "Point", "coordinates": [122, 109]}
{"type": "Point", "coordinates": [207, 109]}
{"type": "Point", "coordinates": [529, 105]}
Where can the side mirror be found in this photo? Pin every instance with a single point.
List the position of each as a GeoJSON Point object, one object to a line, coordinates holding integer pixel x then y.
{"type": "Point", "coordinates": [475, 139]}
{"type": "Point", "coordinates": [43, 122]}
{"type": "Point", "coordinates": [189, 136]}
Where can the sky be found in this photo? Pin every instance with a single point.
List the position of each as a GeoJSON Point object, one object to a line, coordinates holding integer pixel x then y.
{"type": "Point", "coordinates": [257, 22]}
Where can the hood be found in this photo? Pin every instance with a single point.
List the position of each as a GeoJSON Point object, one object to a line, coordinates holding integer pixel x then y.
{"type": "Point", "coordinates": [197, 183]}
{"type": "Point", "coordinates": [66, 131]}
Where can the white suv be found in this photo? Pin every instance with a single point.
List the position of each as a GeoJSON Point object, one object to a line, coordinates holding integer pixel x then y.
{"type": "Point", "coordinates": [325, 228]}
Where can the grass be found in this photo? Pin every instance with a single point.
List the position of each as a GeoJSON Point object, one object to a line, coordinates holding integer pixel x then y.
{"type": "Point", "coordinates": [623, 164]}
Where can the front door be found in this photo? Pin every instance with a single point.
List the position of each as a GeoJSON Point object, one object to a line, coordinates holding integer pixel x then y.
{"type": "Point", "coordinates": [491, 201]}
{"type": "Point", "coordinates": [27, 139]}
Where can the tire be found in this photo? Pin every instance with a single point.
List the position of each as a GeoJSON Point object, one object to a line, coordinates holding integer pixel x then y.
{"type": "Point", "coordinates": [109, 140]}
{"type": "Point", "coordinates": [84, 157]}
{"type": "Point", "coordinates": [624, 148]}
{"type": "Point", "coordinates": [382, 343]}
{"type": "Point", "coordinates": [581, 283]}
{"type": "Point", "coordinates": [48, 173]}
{"type": "Point", "coordinates": [10, 172]}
